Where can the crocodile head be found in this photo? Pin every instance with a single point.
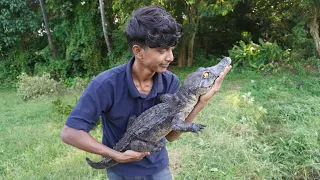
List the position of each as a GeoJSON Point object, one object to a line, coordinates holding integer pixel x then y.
{"type": "Point", "coordinates": [202, 80]}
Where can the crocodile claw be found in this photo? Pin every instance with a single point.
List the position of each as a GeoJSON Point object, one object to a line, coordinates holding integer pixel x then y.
{"type": "Point", "coordinates": [198, 127]}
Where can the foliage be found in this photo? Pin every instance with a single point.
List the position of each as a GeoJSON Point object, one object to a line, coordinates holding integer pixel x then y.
{"type": "Point", "coordinates": [81, 51]}
{"type": "Point", "coordinates": [35, 86]}
{"type": "Point", "coordinates": [57, 69]}
{"type": "Point", "coordinates": [219, 7]}
{"type": "Point", "coordinates": [272, 17]}
{"type": "Point", "coordinates": [17, 61]}
{"type": "Point", "coordinates": [62, 107]}
{"type": "Point", "coordinates": [300, 43]}
{"type": "Point", "coordinates": [203, 59]}
{"type": "Point", "coordinates": [121, 53]}
{"type": "Point", "coordinates": [77, 83]}
{"type": "Point", "coordinates": [76, 29]}
{"type": "Point", "coordinates": [263, 56]}
{"type": "Point", "coordinates": [19, 38]}
{"type": "Point", "coordinates": [16, 22]}
{"type": "Point", "coordinates": [6, 75]}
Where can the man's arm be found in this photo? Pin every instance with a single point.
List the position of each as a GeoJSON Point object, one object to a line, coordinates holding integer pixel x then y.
{"type": "Point", "coordinates": [84, 141]}
{"type": "Point", "coordinates": [173, 135]}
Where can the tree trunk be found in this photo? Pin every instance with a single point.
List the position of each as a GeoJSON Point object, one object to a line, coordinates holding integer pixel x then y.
{"type": "Point", "coordinates": [45, 18]}
{"type": "Point", "coordinates": [104, 26]}
{"type": "Point", "coordinates": [193, 22]}
{"type": "Point", "coordinates": [182, 53]}
{"type": "Point", "coordinates": [190, 49]}
{"type": "Point", "coordinates": [314, 31]}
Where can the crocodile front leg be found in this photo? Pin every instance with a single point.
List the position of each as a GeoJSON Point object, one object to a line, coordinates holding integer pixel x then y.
{"type": "Point", "coordinates": [178, 124]}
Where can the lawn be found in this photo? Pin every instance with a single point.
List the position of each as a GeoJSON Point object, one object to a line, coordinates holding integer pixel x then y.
{"type": "Point", "coordinates": [259, 126]}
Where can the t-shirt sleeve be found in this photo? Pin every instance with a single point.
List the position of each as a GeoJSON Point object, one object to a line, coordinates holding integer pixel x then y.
{"type": "Point", "coordinates": [93, 101]}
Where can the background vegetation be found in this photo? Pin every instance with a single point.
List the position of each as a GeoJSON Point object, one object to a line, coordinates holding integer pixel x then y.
{"type": "Point", "coordinates": [258, 34]}
{"type": "Point", "coordinates": [263, 125]}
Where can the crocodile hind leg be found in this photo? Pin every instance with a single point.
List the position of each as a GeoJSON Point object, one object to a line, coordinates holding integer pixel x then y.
{"type": "Point", "coordinates": [178, 124]}
{"type": "Point", "coordinates": [144, 146]}
{"type": "Point", "coordinates": [103, 164]}
{"type": "Point", "coordinates": [157, 147]}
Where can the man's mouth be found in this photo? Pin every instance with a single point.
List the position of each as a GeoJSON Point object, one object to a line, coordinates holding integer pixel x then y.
{"type": "Point", "coordinates": [164, 65]}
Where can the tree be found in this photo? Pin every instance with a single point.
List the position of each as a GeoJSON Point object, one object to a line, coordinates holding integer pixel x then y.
{"type": "Point", "coordinates": [17, 24]}
{"type": "Point", "coordinates": [313, 16]}
{"type": "Point", "coordinates": [45, 18]}
{"type": "Point", "coordinates": [104, 25]}
{"type": "Point", "coordinates": [196, 9]}
{"type": "Point", "coordinates": [193, 14]}
{"type": "Point", "coordinates": [177, 9]}
{"type": "Point", "coordinates": [280, 18]}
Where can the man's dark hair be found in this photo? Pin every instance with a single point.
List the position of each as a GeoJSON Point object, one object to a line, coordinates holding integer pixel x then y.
{"type": "Point", "coordinates": [152, 27]}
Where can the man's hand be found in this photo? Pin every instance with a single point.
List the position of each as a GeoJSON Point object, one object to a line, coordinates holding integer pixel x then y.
{"type": "Point", "coordinates": [216, 87]}
{"type": "Point", "coordinates": [129, 156]}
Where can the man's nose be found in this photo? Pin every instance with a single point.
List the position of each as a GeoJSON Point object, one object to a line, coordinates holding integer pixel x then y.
{"type": "Point", "coordinates": [170, 57]}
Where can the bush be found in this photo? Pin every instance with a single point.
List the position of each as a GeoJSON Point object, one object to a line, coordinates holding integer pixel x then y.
{"type": "Point", "coordinates": [77, 83]}
{"type": "Point", "coordinates": [263, 56]}
{"type": "Point", "coordinates": [62, 107]}
{"type": "Point", "coordinates": [33, 87]}
{"type": "Point", "coordinates": [17, 62]}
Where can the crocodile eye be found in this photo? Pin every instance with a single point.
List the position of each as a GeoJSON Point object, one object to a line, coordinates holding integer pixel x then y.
{"type": "Point", "coordinates": [205, 75]}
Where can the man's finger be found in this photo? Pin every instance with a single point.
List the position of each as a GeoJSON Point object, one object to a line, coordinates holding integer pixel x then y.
{"type": "Point", "coordinates": [145, 153]}
{"type": "Point", "coordinates": [224, 73]}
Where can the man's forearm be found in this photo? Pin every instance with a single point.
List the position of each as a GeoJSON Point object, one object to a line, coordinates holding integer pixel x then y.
{"type": "Point", "coordinates": [84, 141]}
{"type": "Point", "coordinates": [173, 135]}
{"type": "Point", "coordinates": [195, 111]}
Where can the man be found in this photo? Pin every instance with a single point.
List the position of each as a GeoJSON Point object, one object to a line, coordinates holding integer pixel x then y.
{"type": "Point", "coordinates": [130, 89]}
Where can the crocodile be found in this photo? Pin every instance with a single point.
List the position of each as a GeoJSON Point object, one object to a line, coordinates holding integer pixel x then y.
{"type": "Point", "coordinates": [144, 132]}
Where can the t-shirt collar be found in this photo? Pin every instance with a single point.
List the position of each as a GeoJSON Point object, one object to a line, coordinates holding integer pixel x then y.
{"type": "Point", "coordinates": [157, 86]}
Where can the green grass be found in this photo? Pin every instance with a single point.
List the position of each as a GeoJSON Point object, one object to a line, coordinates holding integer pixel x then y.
{"type": "Point", "coordinates": [30, 146]}
{"type": "Point", "coordinates": [273, 132]}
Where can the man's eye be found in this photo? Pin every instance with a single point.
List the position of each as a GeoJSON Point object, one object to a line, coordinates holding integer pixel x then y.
{"type": "Point", "coordinates": [162, 50]}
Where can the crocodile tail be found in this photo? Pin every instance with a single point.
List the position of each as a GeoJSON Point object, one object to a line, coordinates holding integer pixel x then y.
{"type": "Point", "coordinates": [103, 164]}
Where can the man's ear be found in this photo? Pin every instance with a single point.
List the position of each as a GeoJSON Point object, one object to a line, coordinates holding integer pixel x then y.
{"type": "Point", "coordinates": [137, 51]}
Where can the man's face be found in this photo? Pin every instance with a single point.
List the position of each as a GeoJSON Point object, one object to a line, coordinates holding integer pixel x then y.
{"type": "Point", "coordinates": [157, 59]}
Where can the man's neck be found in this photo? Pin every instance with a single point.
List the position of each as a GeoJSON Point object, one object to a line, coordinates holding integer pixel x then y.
{"type": "Point", "coordinates": [142, 78]}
